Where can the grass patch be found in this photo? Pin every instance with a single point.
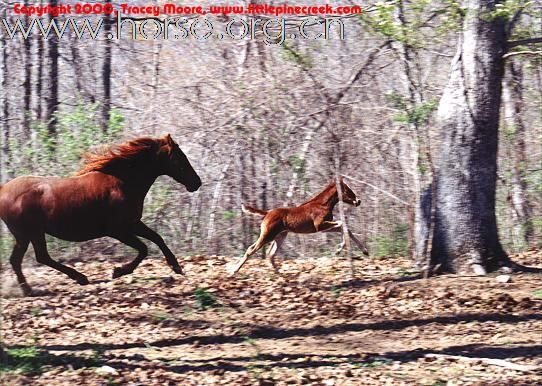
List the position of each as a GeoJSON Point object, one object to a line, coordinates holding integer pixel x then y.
{"type": "Point", "coordinates": [373, 362]}
{"type": "Point", "coordinates": [538, 293]}
{"type": "Point", "coordinates": [405, 272]}
{"type": "Point", "coordinates": [162, 316]}
{"type": "Point", "coordinates": [32, 360]}
{"type": "Point", "coordinates": [204, 299]}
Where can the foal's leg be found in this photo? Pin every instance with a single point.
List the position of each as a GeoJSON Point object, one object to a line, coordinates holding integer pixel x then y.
{"type": "Point", "coordinates": [146, 232]}
{"type": "Point", "coordinates": [142, 250]}
{"type": "Point", "coordinates": [262, 240]}
{"type": "Point", "coordinates": [361, 245]}
{"type": "Point", "coordinates": [43, 257]}
{"type": "Point", "coordinates": [331, 226]}
{"type": "Point", "coordinates": [16, 260]}
{"type": "Point", "coordinates": [273, 249]}
{"type": "Point", "coordinates": [250, 251]}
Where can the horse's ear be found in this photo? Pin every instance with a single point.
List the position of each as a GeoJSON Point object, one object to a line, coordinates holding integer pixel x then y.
{"type": "Point", "coordinates": [170, 140]}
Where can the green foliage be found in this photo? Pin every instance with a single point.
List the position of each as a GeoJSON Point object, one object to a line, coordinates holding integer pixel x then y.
{"type": "Point", "coordinates": [373, 362]}
{"type": "Point", "coordinates": [162, 316]}
{"type": "Point", "coordinates": [229, 215]}
{"type": "Point", "coordinates": [538, 293]}
{"type": "Point", "coordinates": [537, 224]}
{"type": "Point", "coordinates": [336, 291]}
{"type": "Point", "coordinates": [204, 299]}
{"type": "Point", "coordinates": [508, 8]}
{"type": "Point", "coordinates": [77, 131]}
{"type": "Point", "coordinates": [404, 272]}
{"type": "Point", "coordinates": [422, 20]}
{"type": "Point", "coordinates": [25, 360]}
{"type": "Point", "coordinates": [32, 360]}
{"type": "Point", "coordinates": [417, 115]}
{"type": "Point", "coordinates": [298, 163]}
{"type": "Point", "coordinates": [291, 54]}
{"type": "Point", "coordinates": [382, 20]}
{"type": "Point", "coordinates": [394, 244]}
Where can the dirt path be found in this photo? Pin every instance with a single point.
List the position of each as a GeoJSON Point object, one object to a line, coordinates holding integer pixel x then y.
{"type": "Point", "coordinates": [309, 326]}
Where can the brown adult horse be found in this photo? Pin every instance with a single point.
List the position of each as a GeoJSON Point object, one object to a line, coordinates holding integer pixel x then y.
{"type": "Point", "coordinates": [105, 198]}
{"type": "Point", "coordinates": [315, 215]}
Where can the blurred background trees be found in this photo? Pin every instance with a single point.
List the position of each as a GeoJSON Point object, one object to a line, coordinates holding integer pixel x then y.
{"type": "Point", "coordinates": [265, 124]}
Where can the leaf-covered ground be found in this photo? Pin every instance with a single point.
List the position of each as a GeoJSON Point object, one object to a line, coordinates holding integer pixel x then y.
{"type": "Point", "coordinates": [311, 325]}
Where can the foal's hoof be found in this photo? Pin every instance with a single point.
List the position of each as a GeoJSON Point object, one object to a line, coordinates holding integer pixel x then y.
{"type": "Point", "coordinates": [177, 269]}
{"type": "Point", "coordinates": [231, 270]}
{"type": "Point", "coordinates": [82, 280]}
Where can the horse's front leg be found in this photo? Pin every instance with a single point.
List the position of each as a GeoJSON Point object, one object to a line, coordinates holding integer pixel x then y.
{"type": "Point", "coordinates": [146, 232]}
{"type": "Point", "coordinates": [16, 260]}
{"type": "Point", "coordinates": [134, 242]}
{"type": "Point", "coordinates": [43, 257]}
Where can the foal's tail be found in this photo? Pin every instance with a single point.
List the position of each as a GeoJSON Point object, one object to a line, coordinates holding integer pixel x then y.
{"type": "Point", "coordinates": [254, 211]}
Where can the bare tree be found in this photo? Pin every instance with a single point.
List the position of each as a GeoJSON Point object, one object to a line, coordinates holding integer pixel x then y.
{"type": "Point", "coordinates": [466, 239]}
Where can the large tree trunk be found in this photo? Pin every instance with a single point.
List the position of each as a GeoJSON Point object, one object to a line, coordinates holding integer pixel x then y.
{"type": "Point", "coordinates": [465, 237]}
{"type": "Point", "coordinates": [38, 112]}
{"type": "Point", "coordinates": [27, 84]}
{"type": "Point", "coordinates": [52, 97]}
{"type": "Point", "coordinates": [513, 106]}
{"type": "Point", "coordinates": [4, 151]}
{"type": "Point", "coordinates": [106, 74]}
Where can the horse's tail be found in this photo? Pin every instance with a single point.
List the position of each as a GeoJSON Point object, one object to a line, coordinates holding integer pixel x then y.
{"type": "Point", "coordinates": [254, 211]}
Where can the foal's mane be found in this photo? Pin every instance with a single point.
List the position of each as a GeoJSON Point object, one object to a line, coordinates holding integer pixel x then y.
{"type": "Point", "coordinates": [322, 192]}
{"type": "Point", "coordinates": [123, 155]}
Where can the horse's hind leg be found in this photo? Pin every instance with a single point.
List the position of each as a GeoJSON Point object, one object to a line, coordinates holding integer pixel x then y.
{"type": "Point", "coordinates": [16, 260]}
{"type": "Point", "coordinates": [273, 249]}
{"type": "Point", "coordinates": [146, 232]}
{"type": "Point", "coordinates": [43, 257]}
{"type": "Point", "coordinates": [142, 250]}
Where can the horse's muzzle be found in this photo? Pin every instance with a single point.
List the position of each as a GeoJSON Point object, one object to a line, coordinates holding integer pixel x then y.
{"type": "Point", "coordinates": [357, 202]}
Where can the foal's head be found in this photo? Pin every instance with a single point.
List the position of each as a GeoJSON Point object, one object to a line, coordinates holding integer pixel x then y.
{"type": "Point", "coordinates": [176, 164]}
{"type": "Point", "coordinates": [348, 195]}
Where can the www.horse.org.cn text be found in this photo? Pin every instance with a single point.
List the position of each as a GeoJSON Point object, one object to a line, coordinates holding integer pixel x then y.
{"type": "Point", "coordinates": [271, 31]}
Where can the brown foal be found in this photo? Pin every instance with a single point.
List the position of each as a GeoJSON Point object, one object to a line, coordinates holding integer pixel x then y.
{"type": "Point", "coordinates": [315, 215]}
{"type": "Point", "coordinates": [104, 199]}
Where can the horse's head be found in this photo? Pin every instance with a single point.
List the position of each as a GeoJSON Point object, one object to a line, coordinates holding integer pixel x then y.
{"type": "Point", "coordinates": [348, 194]}
{"type": "Point", "coordinates": [177, 165]}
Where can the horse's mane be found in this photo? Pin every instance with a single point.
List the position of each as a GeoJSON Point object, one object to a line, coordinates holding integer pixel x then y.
{"type": "Point", "coordinates": [123, 155]}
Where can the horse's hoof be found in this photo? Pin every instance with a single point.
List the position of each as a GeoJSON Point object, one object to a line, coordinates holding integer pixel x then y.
{"type": "Point", "coordinates": [83, 280]}
{"type": "Point", "coordinates": [178, 270]}
{"type": "Point", "coordinates": [27, 291]}
{"type": "Point", "coordinates": [118, 272]}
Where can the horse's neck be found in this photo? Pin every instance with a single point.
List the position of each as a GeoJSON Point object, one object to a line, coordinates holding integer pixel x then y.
{"type": "Point", "coordinates": [138, 181]}
{"type": "Point", "coordinates": [327, 197]}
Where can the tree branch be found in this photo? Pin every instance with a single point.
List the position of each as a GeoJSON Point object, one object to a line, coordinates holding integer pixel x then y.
{"type": "Point", "coordinates": [490, 361]}
{"type": "Point", "coordinates": [515, 43]}
{"type": "Point", "coordinates": [522, 53]}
